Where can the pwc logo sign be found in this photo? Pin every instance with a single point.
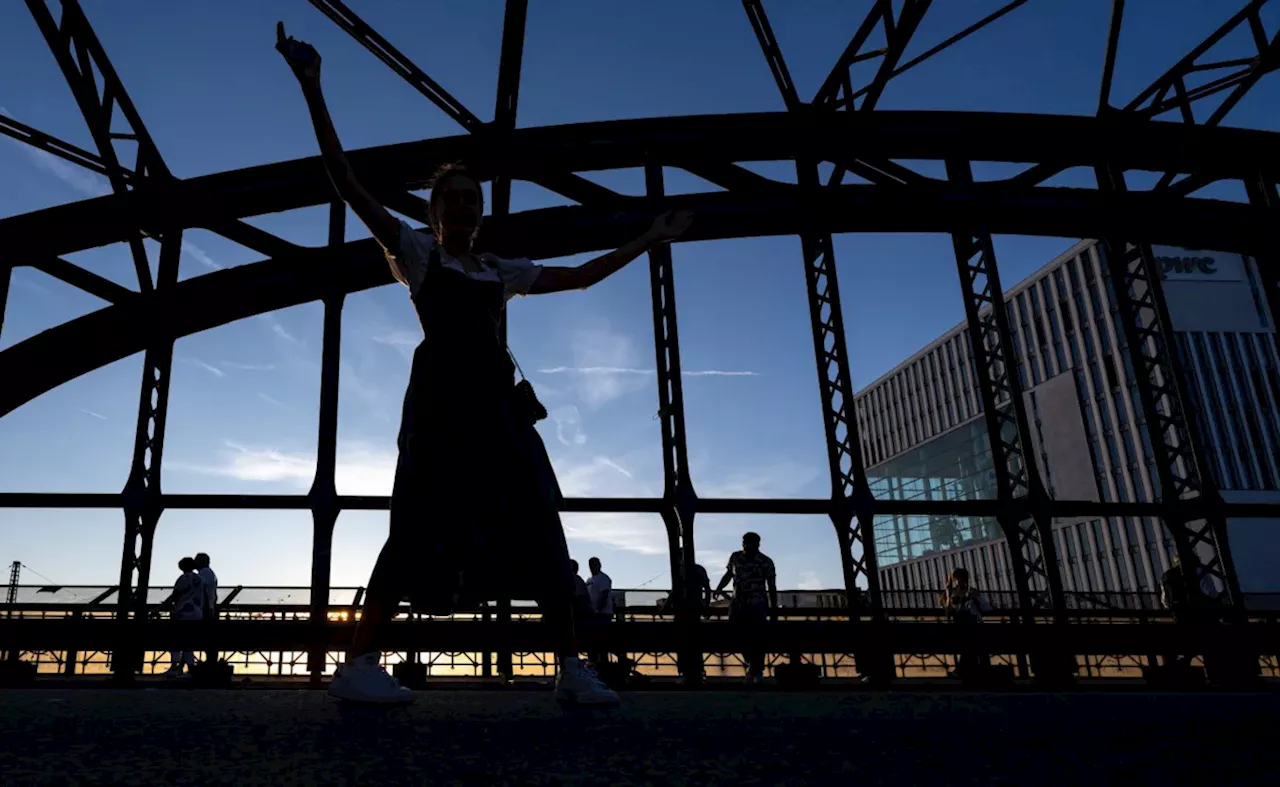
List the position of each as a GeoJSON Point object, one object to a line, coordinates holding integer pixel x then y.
{"type": "Point", "coordinates": [1206, 266]}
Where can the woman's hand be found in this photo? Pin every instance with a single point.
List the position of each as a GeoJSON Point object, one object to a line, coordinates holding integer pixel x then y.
{"type": "Point", "coordinates": [669, 226]}
{"type": "Point", "coordinates": [301, 57]}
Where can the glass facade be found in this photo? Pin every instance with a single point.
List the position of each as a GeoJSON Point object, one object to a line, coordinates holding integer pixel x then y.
{"type": "Point", "coordinates": [954, 466]}
{"type": "Point", "coordinates": [923, 436]}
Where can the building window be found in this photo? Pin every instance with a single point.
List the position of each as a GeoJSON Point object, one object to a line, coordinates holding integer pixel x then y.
{"type": "Point", "coordinates": [1109, 366]}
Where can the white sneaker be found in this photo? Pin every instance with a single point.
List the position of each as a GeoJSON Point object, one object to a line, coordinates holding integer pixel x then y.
{"type": "Point", "coordinates": [364, 680]}
{"type": "Point", "coordinates": [578, 684]}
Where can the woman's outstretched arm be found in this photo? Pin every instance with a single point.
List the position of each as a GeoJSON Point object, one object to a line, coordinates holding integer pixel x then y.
{"type": "Point", "coordinates": [668, 227]}
{"type": "Point", "coordinates": [305, 62]}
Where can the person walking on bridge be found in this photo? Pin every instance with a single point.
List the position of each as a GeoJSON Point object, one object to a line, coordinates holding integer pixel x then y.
{"type": "Point", "coordinates": [467, 441]}
{"type": "Point", "coordinates": [186, 602]}
{"type": "Point", "coordinates": [755, 593]}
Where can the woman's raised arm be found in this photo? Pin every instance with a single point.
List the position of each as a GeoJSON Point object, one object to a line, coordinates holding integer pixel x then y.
{"type": "Point", "coordinates": [305, 62]}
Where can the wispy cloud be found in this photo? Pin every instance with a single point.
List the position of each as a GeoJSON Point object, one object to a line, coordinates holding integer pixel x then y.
{"type": "Point", "coordinates": [208, 367]}
{"type": "Point", "coordinates": [608, 365]}
{"type": "Point", "coordinates": [247, 367]}
{"type": "Point", "coordinates": [403, 341]}
{"type": "Point", "coordinates": [602, 348]}
{"type": "Point", "coordinates": [360, 469]}
{"type": "Point", "coordinates": [91, 184]}
{"type": "Point", "coordinates": [608, 370]}
{"type": "Point", "coordinates": [99, 416]}
{"type": "Point", "coordinates": [269, 399]}
{"type": "Point", "coordinates": [279, 330]}
{"type": "Point", "coordinates": [779, 478]}
{"type": "Point", "coordinates": [200, 255]}
{"type": "Point", "coordinates": [568, 425]}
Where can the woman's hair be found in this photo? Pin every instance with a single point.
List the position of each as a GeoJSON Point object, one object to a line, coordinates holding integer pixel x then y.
{"type": "Point", "coordinates": [186, 564]}
{"type": "Point", "coordinates": [446, 171]}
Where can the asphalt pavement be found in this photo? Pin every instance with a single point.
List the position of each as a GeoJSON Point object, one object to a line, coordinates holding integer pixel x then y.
{"type": "Point", "coordinates": [273, 737]}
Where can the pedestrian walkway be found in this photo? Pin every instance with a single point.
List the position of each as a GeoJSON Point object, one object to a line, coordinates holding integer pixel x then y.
{"type": "Point", "coordinates": [139, 736]}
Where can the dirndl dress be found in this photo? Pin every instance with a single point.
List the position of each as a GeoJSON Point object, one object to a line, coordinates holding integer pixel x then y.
{"type": "Point", "coordinates": [475, 506]}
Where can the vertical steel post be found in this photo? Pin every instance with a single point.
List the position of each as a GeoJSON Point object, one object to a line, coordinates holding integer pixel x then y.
{"type": "Point", "coordinates": [504, 121]}
{"type": "Point", "coordinates": [322, 499]}
{"type": "Point", "coordinates": [1023, 499]}
{"type": "Point", "coordinates": [852, 509]}
{"type": "Point", "coordinates": [679, 500]}
{"type": "Point", "coordinates": [142, 498]}
{"type": "Point", "coordinates": [1176, 448]}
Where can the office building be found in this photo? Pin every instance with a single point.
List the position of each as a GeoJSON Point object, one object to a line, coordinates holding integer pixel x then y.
{"type": "Point", "coordinates": [924, 436]}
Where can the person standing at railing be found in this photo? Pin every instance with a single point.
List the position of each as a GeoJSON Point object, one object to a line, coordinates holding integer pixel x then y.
{"type": "Point", "coordinates": [186, 602]}
{"type": "Point", "coordinates": [209, 589]}
{"type": "Point", "coordinates": [600, 599]}
{"type": "Point", "coordinates": [475, 496]}
{"type": "Point", "coordinates": [1190, 604]}
{"type": "Point", "coordinates": [755, 593]}
{"type": "Point", "coordinates": [965, 606]}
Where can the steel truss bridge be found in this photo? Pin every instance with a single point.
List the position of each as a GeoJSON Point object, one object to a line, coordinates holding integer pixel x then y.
{"type": "Point", "coordinates": [839, 129]}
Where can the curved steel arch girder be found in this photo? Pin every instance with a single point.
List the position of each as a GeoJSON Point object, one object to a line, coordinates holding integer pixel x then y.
{"type": "Point", "coordinates": [695, 142]}
{"type": "Point", "coordinates": [67, 351]}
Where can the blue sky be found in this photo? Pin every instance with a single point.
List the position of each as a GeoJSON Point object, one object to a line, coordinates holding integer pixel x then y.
{"type": "Point", "coordinates": [216, 96]}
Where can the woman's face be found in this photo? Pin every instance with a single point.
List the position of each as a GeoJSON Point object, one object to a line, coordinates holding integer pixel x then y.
{"type": "Point", "coordinates": [458, 204]}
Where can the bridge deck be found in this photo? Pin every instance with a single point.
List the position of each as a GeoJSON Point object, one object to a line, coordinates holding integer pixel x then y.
{"type": "Point", "coordinates": [724, 737]}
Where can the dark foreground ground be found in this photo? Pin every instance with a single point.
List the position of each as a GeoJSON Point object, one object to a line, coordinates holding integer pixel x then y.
{"type": "Point", "coordinates": [246, 737]}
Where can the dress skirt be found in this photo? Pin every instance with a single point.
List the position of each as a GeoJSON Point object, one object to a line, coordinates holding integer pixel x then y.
{"type": "Point", "coordinates": [475, 508]}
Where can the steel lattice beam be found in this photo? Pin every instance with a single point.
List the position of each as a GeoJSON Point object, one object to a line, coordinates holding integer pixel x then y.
{"type": "Point", "coordinates": [1154, 100]}
{"type": "Point", "coordinates": [322, 499]}
{"type": "Point", "coordinates": [79, 55]}
{"type": "Point", "coordinates": [679, 500]}
{"type": "Point", "coordinates": [1063, 141]}
{"type": "Point", "coordinates": [571, 186]}
{"type": "Point", "coordinates": [653, 505]}
{"type": "Point", "coordinates": [245, 234]}
{"type": "Point", "coordinates": [78, 346]}
{"type": "Point", "coordinates": [1028, 531]}
{"type": "Point", "coordinates": [852, 513]}
{"type": "Point", "coordinates": [1177, 450]}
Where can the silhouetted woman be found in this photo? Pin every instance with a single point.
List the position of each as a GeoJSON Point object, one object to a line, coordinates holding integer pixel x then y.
{"type": "Point", "coordinates": [474, 490]}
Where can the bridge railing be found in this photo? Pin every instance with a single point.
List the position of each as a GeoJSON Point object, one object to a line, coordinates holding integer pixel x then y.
{"type": "Point", "coordinates": [268, 631]}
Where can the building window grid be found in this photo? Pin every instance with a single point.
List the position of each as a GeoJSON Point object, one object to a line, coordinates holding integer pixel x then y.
{"type": "Point", "coordinates": [1103, 322]}
{"type": "Point", "coordinates": [1268, 407]}
{"type": "Point", "coordinates": [1205, 405]}
{"type": "Point", "coordinates": [948, 405]}
{"type": "Point", "coordinates": [1271, 366]}
{"type": "Point", "coordinates": [1055, 359]}
{"type": "Point", "coordinates": [920, 407]}
{"type": "Point", "coordinates": [1250, 411]}
{"type": "Point", "coordinates": [1068, 579]}
{"type": "Point", "coordinates": [1232, 478]}
{"type": "Point", "coordinates": [1036, 295]}
{"type": "Point", "coordinates": [1088, 322]}
{"type": "Point", "coordinates": [1154, 551]}
{"type": "Point", "coordinates": [1085, 541]}
{"type": "Point", "coordinates": [899, 415]}
{"type": "Point", "coordinates": [1106, 566]}
{"type": "Point", "coordinates": [909, 405]}
{"type": "Point", "coordinates": [1148, 544]}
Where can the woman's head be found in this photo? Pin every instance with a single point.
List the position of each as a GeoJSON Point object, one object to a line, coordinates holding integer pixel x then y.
{"type": "Point", "coordinates": [186, 564]}
{"type": "Point", "coordinates": [457, 202]}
